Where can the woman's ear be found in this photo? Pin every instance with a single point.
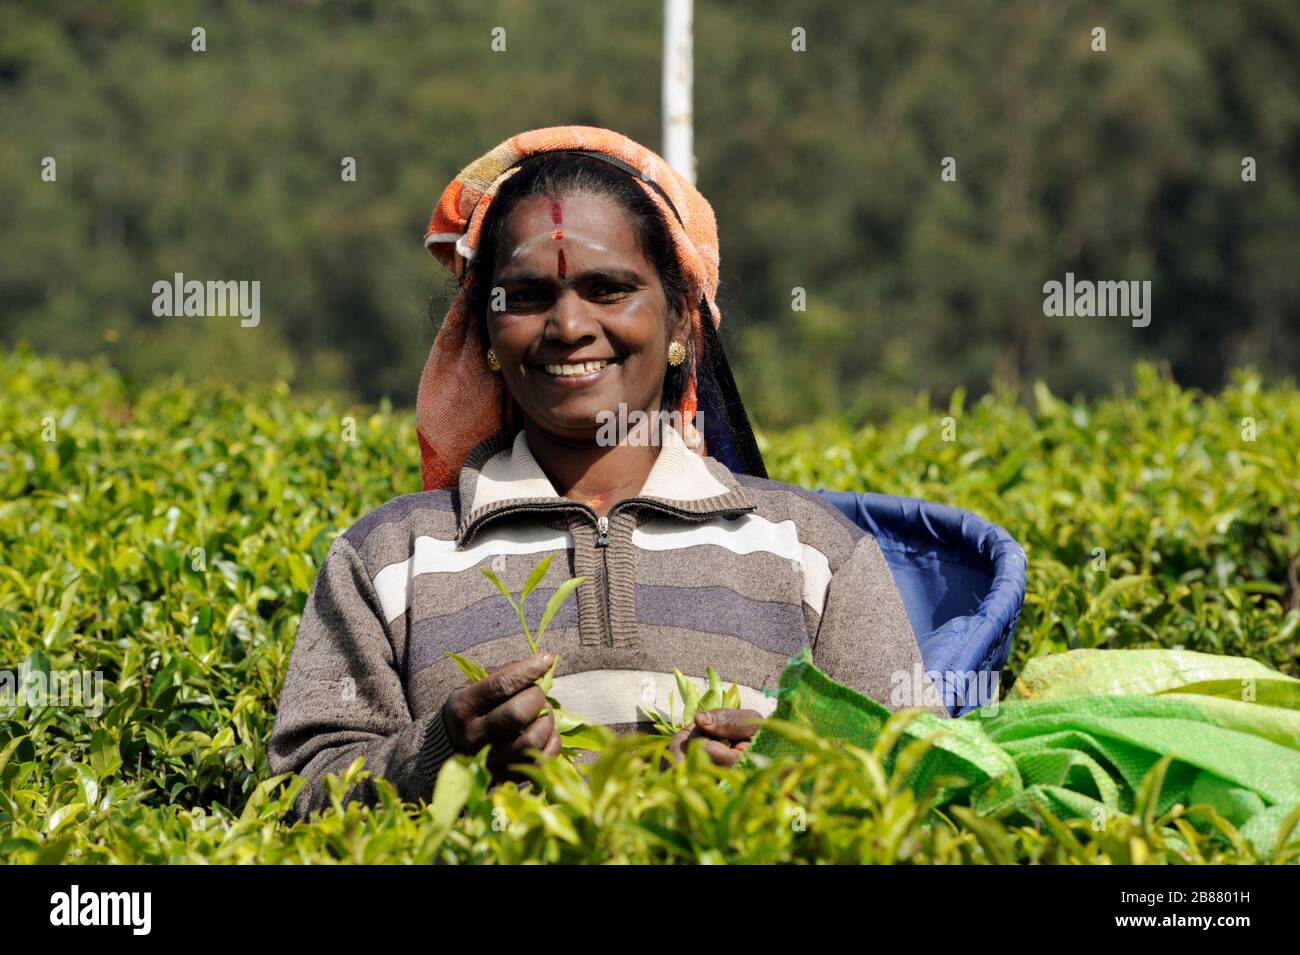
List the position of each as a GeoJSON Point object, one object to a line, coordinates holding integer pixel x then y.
{"type": "Point", "coordinates": [680, 327]}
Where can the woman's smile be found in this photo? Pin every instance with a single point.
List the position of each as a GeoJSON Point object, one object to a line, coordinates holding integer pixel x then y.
{"type": "Point", "coordinates": [581, 374]}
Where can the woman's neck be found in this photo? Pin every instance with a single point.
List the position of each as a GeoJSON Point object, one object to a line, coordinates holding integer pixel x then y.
{"type": "Point", "coordinates": [596, 475]}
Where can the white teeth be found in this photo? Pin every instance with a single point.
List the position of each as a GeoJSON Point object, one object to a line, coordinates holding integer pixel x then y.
{"type": "Point", "coordinates": [579, 369]}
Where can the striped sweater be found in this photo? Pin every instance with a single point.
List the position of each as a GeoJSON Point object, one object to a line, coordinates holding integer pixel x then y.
{"type": "Point", "coordinates": [702, 567]}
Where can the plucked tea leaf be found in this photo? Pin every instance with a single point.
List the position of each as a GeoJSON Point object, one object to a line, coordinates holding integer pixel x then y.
{"type": "Point", "coordinates": [473, 671]}
{"type": "Point", "coordinates": [536, 576]}
{"type": "Point", "coordinates": [555, 603]}
{"type": "Point", "coordinates": [712, 698]}
{"type": "Point", "coordinates": [690, 696]}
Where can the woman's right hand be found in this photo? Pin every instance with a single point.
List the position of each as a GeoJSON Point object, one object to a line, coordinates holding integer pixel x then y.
{"type": "Point", "coordinates": [724, 733]}
{"type": "Point", "coordinates": [501, 710]}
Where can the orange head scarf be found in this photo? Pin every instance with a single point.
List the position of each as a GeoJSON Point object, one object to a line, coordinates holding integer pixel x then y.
{"type": "Point", "coordinates": [461, 399]}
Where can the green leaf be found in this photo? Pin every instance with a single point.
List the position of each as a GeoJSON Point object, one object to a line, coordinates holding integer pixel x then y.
{"type": "Point", "coordinates": [585, 736]}
{"type": "Point", "coordinates": [490, 574]}
{"type": "Point", "coordinates": [1147, 796]}
{"type": "Point", "coordinates": [536, 576]}
{"type": "Point", "coordinates": [566, 722]}
{"type": "Point", "coordinates": [1110, 592]}
{"type": "Point", "coordinates": [62, 816]}
{"type": "Point", "coordinates": [991, 835]}
{"type": "Point", "coordinates": [105, 756]}
{"type": "Point", "coordinates": [451, 792]}
{"type": "Point", "coordinates": [88, 782]}
{"type": "Point", "coordinates": [712, 698]}
{"type": "Point", "coordinates": [8, 751]}
{"type": "Point", "coordinates": [558, 824]}
{"type": "Point", "coordinates": [664, 836]}
{"type": "Point", "coordinates": [53, 852]}
{"type": "Point", "coordinates": [473, 671]}
{"type": "Point", "coordinates": [1284, 831]}
{"type": "Point", "coordinates": [547, 679]}
{"type": "Point", "coordinates": [555, 603]}
{"type": "Point", "coordinates": [663, 725]}
{"type": "Point", "coordinates": [690, 696]}
{"type": "Point", "coordinates": [518, 607]}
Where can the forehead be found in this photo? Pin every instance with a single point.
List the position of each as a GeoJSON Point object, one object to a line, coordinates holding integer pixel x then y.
{"type": "Point", "coordinates": [586, 219]}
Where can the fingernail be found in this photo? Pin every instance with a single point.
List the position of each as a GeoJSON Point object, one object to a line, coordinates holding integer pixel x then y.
{"type": "Point", "coordinates": [546, 658]}
{"type": "Point", "coordinates": [705, 718]}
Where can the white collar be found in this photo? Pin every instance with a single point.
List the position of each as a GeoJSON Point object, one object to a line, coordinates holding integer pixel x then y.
{"type": "Point", "coordinates": [678, 474]}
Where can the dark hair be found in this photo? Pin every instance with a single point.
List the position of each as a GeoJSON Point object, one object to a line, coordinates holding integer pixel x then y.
{"type": "Point", "coordinates": [553, 176]}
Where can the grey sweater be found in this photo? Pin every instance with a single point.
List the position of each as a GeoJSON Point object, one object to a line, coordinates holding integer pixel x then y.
{"type": "Point", "coordinates": [702, 568]}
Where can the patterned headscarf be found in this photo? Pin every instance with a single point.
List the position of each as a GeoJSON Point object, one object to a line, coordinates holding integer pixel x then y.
{"type": "Point", "coordinates": [461, 400]}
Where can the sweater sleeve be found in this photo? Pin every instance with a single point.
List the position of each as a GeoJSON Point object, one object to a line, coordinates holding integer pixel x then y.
{"type": "Point", "coordinates": [343, 696]}
{"type": "Point", "coordinates": [864, 638]}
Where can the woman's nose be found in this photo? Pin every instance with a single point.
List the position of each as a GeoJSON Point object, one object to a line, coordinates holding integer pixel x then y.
{"type": "Point", "coordinates": [569, 319]}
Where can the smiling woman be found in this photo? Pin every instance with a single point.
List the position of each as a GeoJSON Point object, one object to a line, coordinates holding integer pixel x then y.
{"type": "Point", "coordinates": [582, 242]}
{"type": "Point", "coordinates": [588, 270]}
{"type": "Point", "coordinates": [588, 315]}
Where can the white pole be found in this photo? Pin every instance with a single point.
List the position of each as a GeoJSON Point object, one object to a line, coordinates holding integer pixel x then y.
{"type": "Point", "coordinates": [679, 137]}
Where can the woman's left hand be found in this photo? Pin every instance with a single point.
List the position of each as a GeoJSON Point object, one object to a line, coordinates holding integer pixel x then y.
{"type": "Point", "coordinates": [725, 734]}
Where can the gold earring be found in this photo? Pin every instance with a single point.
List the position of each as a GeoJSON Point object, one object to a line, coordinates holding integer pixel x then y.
{"type": "Point", "coordinates": [676, 353]}
{"type": "Point", "coordinates": [492, 360]}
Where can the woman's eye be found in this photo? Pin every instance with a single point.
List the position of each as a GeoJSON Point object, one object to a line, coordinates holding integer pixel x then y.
{"type": "Point", "coordinates": [609, 291]}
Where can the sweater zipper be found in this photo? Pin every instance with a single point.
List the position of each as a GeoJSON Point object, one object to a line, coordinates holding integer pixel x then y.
{"type": "Point", "coordinates": [602, 538]}
{"type": "Point", "coordinates": [602, 541]}
{"type": "Point", "coordinates": [602, 530]}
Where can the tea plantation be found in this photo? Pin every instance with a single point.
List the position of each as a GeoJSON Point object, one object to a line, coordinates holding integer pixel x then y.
{"type": "Point", "coordinates": [168, 539]}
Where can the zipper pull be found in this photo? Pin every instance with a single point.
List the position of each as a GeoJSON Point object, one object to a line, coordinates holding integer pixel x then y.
{"type": "Point", "coordinates": [602, 527]}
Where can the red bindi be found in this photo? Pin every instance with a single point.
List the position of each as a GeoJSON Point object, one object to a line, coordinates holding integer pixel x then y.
{"type": "Point", "coordinates": [557, 216]}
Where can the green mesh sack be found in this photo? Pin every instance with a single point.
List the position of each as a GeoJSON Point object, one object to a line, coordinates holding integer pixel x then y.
{"type": "Point", "coordinates": [1083, 730]}
{"type": "Point", "coordinates": [808, 697]}
{"type": "Point", "coordinates": [1154, 672]}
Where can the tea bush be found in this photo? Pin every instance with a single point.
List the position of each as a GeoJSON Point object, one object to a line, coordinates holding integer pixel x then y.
{"type": "Point", "coordinates": [168, 539]}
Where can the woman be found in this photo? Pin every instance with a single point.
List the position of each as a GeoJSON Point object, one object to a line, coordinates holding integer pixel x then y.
{"type": "Point", "coordinates": [587, 272]}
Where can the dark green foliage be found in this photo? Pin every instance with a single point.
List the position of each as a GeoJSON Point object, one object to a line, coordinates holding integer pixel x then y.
{"type": "Point", "coordinates": [823, 168]}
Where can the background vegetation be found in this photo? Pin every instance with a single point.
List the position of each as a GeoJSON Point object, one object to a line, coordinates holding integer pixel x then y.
{"type": "Point", "coordinates": [823, 168]}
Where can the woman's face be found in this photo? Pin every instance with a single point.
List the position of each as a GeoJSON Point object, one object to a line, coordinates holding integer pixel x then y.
{"type": "Point", "coordinates": [572, 286]}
